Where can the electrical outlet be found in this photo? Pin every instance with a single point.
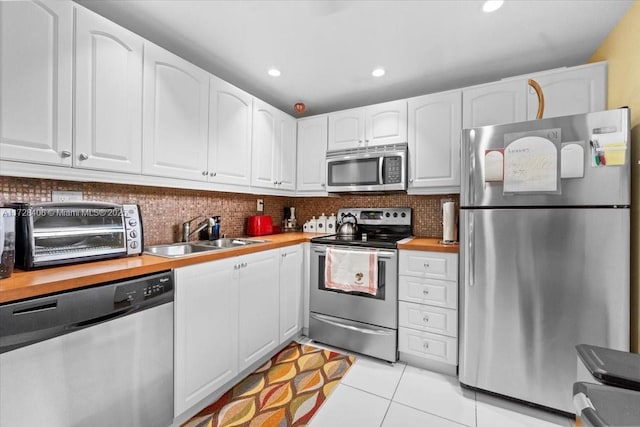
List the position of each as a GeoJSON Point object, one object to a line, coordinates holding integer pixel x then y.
{"type": "Point", "coordinates": [260, 205]}
{"type": "Point", "coordinates": [66, 196]}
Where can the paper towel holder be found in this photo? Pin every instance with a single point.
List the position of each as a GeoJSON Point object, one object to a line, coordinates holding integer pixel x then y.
{"type": "Point", "coordinates": [449, 222]}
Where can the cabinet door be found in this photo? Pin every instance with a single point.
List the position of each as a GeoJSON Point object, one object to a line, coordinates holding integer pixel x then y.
{"type": "Point", "coordinates": [495, 103]}
{"type": "Point", "coordinates": [229, 134]}
{"type": "Point", "coordinates": [575, 91]}
{"type": "Point", "coordinates": [290, 292]}
{"type": "Point", "coordinates": [312, 151]}
{"type": "Point", "coordinates": [206, 330]}
{"type": "Point", "coordinates": [435, 124]}
{"type": "Point", "coordinates": [258, 313]}
{"type": "Point", "coordinates": [346, 129]}
{"type": "Point", "coordinates": [175, 116]}
{"type": "Point", "coordinates": [286, 153]}
{"type": "Point", "coordinates": [35, 81]}
{"type": "Point", "coordinates": [386, 123]}
{"type": "Point", "coordinates": [108, 96]}
{"type": "Point", "coordinates": [263, 162]}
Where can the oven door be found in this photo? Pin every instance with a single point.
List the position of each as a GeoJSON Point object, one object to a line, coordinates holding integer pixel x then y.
{"type": "Point", "coordinates": [380, 309]}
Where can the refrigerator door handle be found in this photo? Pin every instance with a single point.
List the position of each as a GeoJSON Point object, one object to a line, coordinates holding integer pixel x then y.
{"type": "Point", "coordinates": [471, 253]}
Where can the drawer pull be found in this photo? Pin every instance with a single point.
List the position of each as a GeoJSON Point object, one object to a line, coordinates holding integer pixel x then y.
{"type": "Point", "coordinates": [425, 291]}
{"type": "Point", "coordinates": [426, 265]}
{"type": "Point", "coordinates": [425, 319]}
{"type": "Point", "coordinates": [425, 345]}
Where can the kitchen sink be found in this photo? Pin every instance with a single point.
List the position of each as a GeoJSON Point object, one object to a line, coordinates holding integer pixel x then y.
{"type": "Point", "coordinates": [228, 243]}
{"type": "Point", "coordinates": [176, 250]}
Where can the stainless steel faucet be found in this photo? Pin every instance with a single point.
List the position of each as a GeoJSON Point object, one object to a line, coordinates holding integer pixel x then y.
{"type": "Point", "coordinates": [186, 227]}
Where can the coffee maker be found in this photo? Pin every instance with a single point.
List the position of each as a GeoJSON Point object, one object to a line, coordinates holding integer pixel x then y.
{"type": "Point", "coordinates": [289, 223]}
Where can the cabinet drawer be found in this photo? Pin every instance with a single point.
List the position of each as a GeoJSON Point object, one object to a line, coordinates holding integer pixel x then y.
{"type": "Point", "coordinates": [435, 265]}
{"type": "Point", "coordinates": [440, 293]}
{"type": "Point", "coordinates": [424, 344]}
{"type": "Point", "coordinates": [431, 319]}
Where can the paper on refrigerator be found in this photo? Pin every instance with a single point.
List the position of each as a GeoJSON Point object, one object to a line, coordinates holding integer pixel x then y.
{"type": "Point", "coordinates": [531, 165]}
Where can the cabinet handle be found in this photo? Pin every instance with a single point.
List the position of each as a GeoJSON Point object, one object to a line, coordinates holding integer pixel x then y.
{"type": "Point", "coordinates": [65, 153]}
{"type": "Point", "coordinates": [410, 179]}
{"type": "Point", "coordinates": [426, 265]}
{"type": "Point", "coordinates": [205, 173]}
{"type": "Point", "coordinates": [284, 255]}
{"type": "Point", "coordinates": [534, 84]}
{"type": "Point", "coordinates": [243, 265]}
{"type": "Point", "coordinates": [213, 173]}
{"type": "Point", "coordinates": [425, 291]}
{"type": "Point", "coordinates": [323, 185]}
{"type": "Point", "coordinates": [359, 141]}
{"type": "Point", "coordinates": [425, 345]}
{"type": "Point", "coordinates": [83, 156]}
{"type": "Point", "coordinates": [425, 319]}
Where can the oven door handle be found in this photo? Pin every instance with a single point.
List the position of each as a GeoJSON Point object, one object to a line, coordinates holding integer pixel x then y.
{"type": "Point", "coordinates": [345, 324]}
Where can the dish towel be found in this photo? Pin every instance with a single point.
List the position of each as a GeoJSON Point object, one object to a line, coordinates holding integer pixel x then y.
{"type": "Point", "coordinates": [351, 271]}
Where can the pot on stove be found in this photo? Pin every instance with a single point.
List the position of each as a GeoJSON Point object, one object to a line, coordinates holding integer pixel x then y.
{"type": "Point", "coordinates": [348, 229]}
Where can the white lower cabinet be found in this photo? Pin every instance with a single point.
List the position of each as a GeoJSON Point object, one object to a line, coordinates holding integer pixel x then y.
{"type": "Point", "coordinates": [231, 315]}
{"type": "Point", "coordinates": [428, 309]}
{"type": "Point", "coordinates": [206, 330]}
{"type": "Point", "coordinates": [258, 315]}
{"type": "Point", "coordinates": [291, 263]}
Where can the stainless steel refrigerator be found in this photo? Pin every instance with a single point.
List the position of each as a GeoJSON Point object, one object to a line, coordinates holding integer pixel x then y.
{"type": "Point", "coordinates": [544, 252]}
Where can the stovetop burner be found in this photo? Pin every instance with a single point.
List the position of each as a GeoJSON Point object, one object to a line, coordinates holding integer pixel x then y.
{"type": "Point", "coordinates": [377, 228]}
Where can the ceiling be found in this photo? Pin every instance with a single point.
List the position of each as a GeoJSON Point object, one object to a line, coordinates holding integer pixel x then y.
{"type": "Point", "coordinates": [326, 50]}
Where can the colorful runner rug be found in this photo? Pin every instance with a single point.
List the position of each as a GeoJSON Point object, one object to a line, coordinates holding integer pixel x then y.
{"type": "Point", "coordinates": [284, 392]}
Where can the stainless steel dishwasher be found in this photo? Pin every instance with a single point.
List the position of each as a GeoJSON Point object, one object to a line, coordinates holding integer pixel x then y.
{"type": "Point", "coordinates": [98, 356]}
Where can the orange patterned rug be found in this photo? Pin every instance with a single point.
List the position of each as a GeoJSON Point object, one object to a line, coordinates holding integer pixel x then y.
{"type": "Point", "coordinates": [285, 391]}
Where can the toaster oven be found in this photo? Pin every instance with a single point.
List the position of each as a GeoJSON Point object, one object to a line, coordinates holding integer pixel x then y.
{"type": "Point", "coordinates": [49, 234]}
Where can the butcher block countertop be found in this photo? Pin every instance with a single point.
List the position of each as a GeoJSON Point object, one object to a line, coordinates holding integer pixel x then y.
{"type": "Point", "coordinates": [428, 244]}
{"type": "Point", "coordinates": [29, 284]}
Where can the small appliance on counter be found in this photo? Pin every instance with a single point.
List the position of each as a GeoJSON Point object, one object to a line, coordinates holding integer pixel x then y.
{"type": "Point", "coordinates": [7, 241]}
{"type": "Point", "coordinates": [51, 233]}
{"type": "Point", "coordinates": [289, 222]}
{"type": "Point", "coordinates": [449, 223]}
{"type": "Point", "coordinates": [259, 225]}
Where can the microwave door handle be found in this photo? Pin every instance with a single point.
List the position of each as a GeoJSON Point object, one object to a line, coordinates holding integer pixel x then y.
{"type": "Point", "coordinates": [381, 169]}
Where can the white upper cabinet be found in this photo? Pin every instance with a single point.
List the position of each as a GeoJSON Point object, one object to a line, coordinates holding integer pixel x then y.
{"type": "Point", "coordinates": [175, 116]}
{"type": "Point", "coordinates": [435, 123]}
{"type": "Point", "coordinates": [346, 129]}
{"type": "Point", "coordinates": [566, 91]}
{"type": "Point", "coordinates": [494, 103]}
{"type": "Point", "coordinates": [312, 151]}
{"type": "Point", "coordinates": [36, 42]}
{"type": "Point", "coordinates": [263, 167]}
{"type": "Point", "coordinates": [273, 149]}
{"type": "Point", "coordinates": [377, 124]}
{"type": "Point", "coordinates": [576, 90]}
{"type": "Point", "coordinates": [386, 123]}
{"type": "Point", "coordinates": [287, 152]}
{"type": "Point", "coordinates": [108, 96]}
{"type": "Point", "coordinates": [230, 112]}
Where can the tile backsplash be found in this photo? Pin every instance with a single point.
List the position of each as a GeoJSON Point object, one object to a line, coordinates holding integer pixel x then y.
{"type": "Point", "coordinates": [165, 209]}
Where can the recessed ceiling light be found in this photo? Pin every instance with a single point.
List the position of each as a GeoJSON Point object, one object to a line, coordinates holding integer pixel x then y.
{"type": "Point", "coordinates": [378, 72]}
{"type": "Point", "coordinates": [492, 5]}
{"type": "Point", "coordinates": [274, 72]}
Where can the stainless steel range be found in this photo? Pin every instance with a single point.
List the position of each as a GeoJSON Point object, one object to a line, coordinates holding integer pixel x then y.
{"type": "Point", "coordinates": [354, 283]}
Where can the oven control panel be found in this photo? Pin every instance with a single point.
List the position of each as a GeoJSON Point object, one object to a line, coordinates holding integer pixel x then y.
{"type": "Point", "coordinates": [378, 216]}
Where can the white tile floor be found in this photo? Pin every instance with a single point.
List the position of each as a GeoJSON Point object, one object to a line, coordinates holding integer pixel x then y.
{"type": "Point", "coordinates": [378, 394]}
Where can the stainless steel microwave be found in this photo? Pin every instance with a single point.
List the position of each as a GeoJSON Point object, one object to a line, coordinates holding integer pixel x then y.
{"type": "Point", "coordinates": [378, 168]}
{"type": "Point", "coordinates": [49, 234]}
